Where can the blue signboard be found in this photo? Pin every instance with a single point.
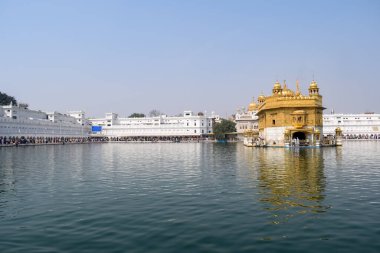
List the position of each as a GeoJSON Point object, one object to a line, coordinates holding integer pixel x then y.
{"type": "Point", "coordinates": [96, 128]}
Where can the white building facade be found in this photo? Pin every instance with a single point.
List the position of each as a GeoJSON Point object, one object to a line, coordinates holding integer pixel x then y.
{"type": "Point", "coordinates": [353, 126]}
{"type": "Point", "coordinates": [247, 123]}
{"type": "Point", "coordinates": [246, 120]}
{"type": "Point", "coordinates": [17, 121]}
{"type": "Point", "coordinates": [186, 125]}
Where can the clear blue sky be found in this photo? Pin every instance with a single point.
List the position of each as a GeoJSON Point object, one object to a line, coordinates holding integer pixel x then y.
{"type": "Point", "coordinates": [134, 56]}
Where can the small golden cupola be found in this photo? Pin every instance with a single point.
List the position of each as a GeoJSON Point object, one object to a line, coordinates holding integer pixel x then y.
{"type": "Point", "coordinates": [313, 88]}
{"type": "Point", "coordinates": [277, 88]}
{"type": "Point", "coordinates": [261, 98]}
{"type": "Point", "coordinates": [252, 106]}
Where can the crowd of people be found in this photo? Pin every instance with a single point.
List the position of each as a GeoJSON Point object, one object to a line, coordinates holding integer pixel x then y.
{"type": "Point", "coordinates": [362, 137]}
{"type": "Point", "coordinates": [159, 139]}
{"type": "Point", "coordinates": [31, 140]}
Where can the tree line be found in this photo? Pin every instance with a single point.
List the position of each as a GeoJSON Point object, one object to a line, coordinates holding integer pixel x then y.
{"type": "Point", "coordinates": [220, 129]}
{"type": "Point", "coordinates": [6, 99]}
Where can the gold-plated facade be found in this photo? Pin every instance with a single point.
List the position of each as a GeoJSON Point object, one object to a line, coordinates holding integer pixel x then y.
{"type": "Point", "coordinates": [288, 116]}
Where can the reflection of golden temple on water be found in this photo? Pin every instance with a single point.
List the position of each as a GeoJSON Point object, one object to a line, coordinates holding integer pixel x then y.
{"type": "Point", "coordinates": [288, 118]}
{"type": "Point", "coordinates": [292, 180]}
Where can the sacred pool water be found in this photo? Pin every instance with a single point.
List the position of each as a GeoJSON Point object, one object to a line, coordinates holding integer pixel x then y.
{"type": "Point", "coordinates": [189, 197]}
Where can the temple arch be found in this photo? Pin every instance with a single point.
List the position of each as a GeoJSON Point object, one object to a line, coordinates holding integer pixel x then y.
{"type": "Point", "coordinates": [299, 135]}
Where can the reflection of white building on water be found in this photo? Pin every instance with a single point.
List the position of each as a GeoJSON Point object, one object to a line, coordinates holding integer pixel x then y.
{"type": "Point", "coordinates": [353, 126]}
{"type": "Point", "coordinates": [187, 124]}
{"type": "Point", "coordinates": [21, 121]}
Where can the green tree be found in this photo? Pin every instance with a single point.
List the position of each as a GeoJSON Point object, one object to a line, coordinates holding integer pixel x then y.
{"type": "Point", "coordinates": [6, 99]}
{"type": "Point", "coordinates": [136, 115]}
{"type": "Point", "coordinates": [221, 129]}
{"type": "Point", "coordinates": [155, 113]}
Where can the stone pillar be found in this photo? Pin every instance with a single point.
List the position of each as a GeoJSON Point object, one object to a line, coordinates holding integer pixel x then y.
{"type": "Point", "coordinates": [338, 136]}
{"type": "Point", "coordinates": [287, 138]}
{"type": "Point", "coordinates": [317, 143]}
{"type": "Point", "coordinates": [317, 138]}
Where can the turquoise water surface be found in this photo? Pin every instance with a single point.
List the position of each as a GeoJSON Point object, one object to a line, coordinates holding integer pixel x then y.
{"type": "Point", "coordinates": [189, 197]}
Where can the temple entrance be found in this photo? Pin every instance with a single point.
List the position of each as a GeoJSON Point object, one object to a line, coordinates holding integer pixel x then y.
{"type": "Point", "coordinates": [299, 135]}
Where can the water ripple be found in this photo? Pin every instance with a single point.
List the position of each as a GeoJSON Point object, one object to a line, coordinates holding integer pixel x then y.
{"type": "Point", "coordinates": [189, 197]}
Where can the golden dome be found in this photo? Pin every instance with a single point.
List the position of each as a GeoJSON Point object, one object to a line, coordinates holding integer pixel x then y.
{"type": "Point", "coordinates": [277, 86]}
{"type": "Point", "coordinates": [287, 93]}
{"type": "Point", "coordinates": [261, 98]}
{"type": "Point", "coordinates": [313, 85]}
{"type": "Point", "coordinates": [252, 106]}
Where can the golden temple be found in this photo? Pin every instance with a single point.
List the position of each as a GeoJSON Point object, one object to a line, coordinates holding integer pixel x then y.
{"type": "Point", "coordinates": [289, 118]}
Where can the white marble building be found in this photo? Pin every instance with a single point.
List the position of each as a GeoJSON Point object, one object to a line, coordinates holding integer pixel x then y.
{"type": "Point", "coordinates": [21, 121]}
{"type": "Point", "coordinates": [364, 125]}
{"type": "Point", "coordinates": [247, 119]}
{"type": "Point", "coordinates": [247, 122]}
{"type": "Point", "coordinates": [186, 125]}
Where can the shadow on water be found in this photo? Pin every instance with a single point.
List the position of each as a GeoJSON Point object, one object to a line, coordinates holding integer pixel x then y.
{"type": "Point", "coordinates": [291, 182]}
